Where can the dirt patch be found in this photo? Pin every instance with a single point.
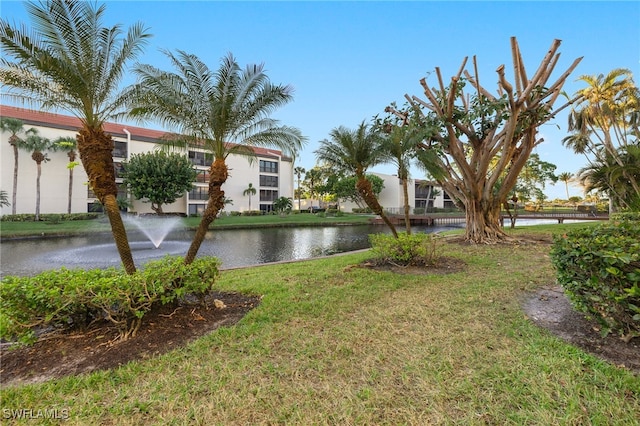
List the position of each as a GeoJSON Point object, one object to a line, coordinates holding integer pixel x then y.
{"type": "Point", "coordinates": [549, 308]}
{"type": "Point", "coordinates": [98, 348]}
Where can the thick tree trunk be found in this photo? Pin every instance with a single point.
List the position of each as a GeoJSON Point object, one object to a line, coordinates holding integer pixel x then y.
{"type": "Point", "coordinates": [405, 193]}
{"type": "Point", "coordinates": [95, 148]}
{"type": "Point", "coordinates": [483, 223]}
{"type": "Point", "coordinates": [364, 188]}
{"type": "Point", "coordinates": [218, 176]}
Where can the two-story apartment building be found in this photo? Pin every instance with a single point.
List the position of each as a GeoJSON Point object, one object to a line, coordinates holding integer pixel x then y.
{"type": "Point", "coordinates": [271, 174]}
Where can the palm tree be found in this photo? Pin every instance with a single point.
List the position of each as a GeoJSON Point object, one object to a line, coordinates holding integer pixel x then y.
{"type": "Point", "coordinates": [224, 112]}
{"type": "Point", "coordinates": [566, 177]}
{"type": "Point", "coordinates": [4, 199]}
{"type": "Point", "coordinates": [354, 151]}
{"type": "Point", "coordinates": [37, 145]}
{"type": "Point", "coordinates": [15, 127]}
{"type": "Point", "coordinates": [399, 145]}
{"type": "Point", "coordinates": [70, 61]}
{"type": "Point", "coordinates": [299, 171]}
{"type": "Point", "coordinates": [68, 145]}
{"type": "Point", "coordinates": [313, 178]}
{"type": "Point", "coordinates": [606, 112]}
{"type": "Point", "coordinates": [282, 205]}
{"type": "Point", "coordinates": [251, 190]}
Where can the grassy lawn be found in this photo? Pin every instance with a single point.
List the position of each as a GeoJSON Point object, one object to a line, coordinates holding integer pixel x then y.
{"type": "Point", "coordinates": [334, 343]}
{"type": "Point", "coordinates": [24, 229]}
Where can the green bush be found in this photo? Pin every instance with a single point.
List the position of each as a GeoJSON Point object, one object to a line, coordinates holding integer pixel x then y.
{"type": "Point", "coordinates": [617, 217]}
{"type": "Point", "coordinates": [599, 269]}
{"type": "Point", "coordinates": [418, 210]}
{"type": "Point", "coordinates": [29, 217]}
{"type": "Point", "coordinates": [361, 210]}
{"type": "Point", "coordinates": [415, 249]}
{"type": "Point", "coordinates": [252, 213]}
{"type": "Point", "coordinates": [73, 298]}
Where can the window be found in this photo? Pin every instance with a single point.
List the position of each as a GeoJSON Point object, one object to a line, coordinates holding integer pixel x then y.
{"type": "Point", "coordinates": [196, 209]}
{"type": "Point", "coordinates": [271, 181]}
{"type": "Point", "coordinates": [119, 169]}
{"type": "Point", "coordinates": [199, 193]}
{"type": "Point", "coordinates": [200, 158]}
{"type": "Point", "coordinates": [119, 149]}
{"type": "Point", "coordinates": [266, 208]}
{"type": "Point", "coordinates": [268, 195]}
{"type": "Point", "coordinates": [202, 176]}
{"type": "Point", "coordinates": [268, 166]}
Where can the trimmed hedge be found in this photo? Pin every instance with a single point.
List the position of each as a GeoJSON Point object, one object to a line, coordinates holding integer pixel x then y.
{"type": "Point", "coordinates": [48, 217]}
{"type": "Point", "coordinates": [599, 269]}
{"type": "Point", "coordinates": [73, 298]}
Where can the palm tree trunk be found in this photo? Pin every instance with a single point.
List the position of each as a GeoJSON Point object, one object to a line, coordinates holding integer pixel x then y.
{"type": "Point", "coordinates": [95, 147]}
{"type": "Point", "coordinates": [15, 177]}
{"type": "Point", "coordinates": [405, 193]}
{"type": "Point", "coordinates": [218, 176]}
{"type": "Point", "coordinates": [364, 188]}
{"type": "Point", "coordinates": [110, 204]}
{"type": "Point", "coordinates": [37, 218]}
{"type": "Point", "coordinates": [70, 190]}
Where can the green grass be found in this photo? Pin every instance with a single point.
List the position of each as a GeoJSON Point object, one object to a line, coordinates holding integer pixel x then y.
{"type": "Point", "coordinates": [334, 343]}
{"type": "Point", "coordinates": [75, 227]}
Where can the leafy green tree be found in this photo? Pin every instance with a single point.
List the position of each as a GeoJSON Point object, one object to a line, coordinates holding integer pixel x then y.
{"type": "Point", "coordinates": [159, 177]}
{"type": "Point", "coordinates": [313, 179]}
{"type": "Point", "coordinates": [353, 152]}
{"type": "Point", "coordinates": [251, 190]}
{"type": "Point", "coordinates": [37, 146]}
{"type": "Point", "coordinates": [479, 142]}
{"type": "Point", "coordinates": [283, 205]}
{"type": "Point", "coordinates": [70, 61]}
{"type": "Point", "coordinates": [224, 112]}
{"type": "Point", "coordinates": [68, 145]}
{"type": "Point", "coordinates": [533, 178]}
{"type": "Point", "coordinates": [15, 127]}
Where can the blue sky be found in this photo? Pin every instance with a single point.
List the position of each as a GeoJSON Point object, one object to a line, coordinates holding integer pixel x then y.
{"type": "Point", "coordinates": [348, 60]}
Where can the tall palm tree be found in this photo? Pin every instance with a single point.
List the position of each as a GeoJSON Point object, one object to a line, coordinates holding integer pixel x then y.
{"type": "Point", "coordinates": [224, 112]}
{"type": "Point", "coordinates": [15, 127]}
{"type": "Point", "coordinates": [299, 171]}
{"type": "Point", "coordinates": [355, 151]}
{"type": "Point", "coordinates": [605, 117]}
{"type": "Point", "coordinates": [251, 190]}
{"type": "Point", "coordinates": [70, 61]}
{"type": "Point", "coordinates": [566, 177]}
{"type": "Point", "coordinates": [68, 145]}
{"type": "Point", "coordinates": [37, 145]}
{"type": "Point", "coordinates": [399, 145]}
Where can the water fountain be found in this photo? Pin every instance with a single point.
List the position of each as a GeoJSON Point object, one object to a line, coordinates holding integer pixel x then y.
{"type": "Point", "coordinates": [154, 228]}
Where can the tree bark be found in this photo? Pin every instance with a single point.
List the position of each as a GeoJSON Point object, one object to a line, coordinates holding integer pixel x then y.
{"type": "Point", "coordinates": [364, 188]}
{"type": "Point", "coordinates": [14, 144]}
{"type": "Point", "coordinates": [405, 193]}
{"type": "Point", "coordinates": [483, 223]}
{"type": "Point", "coordinates": [218, 176]}
{"type": "Point", "coordinates": [95, 147]}
{"type": "Point", "coordinates": [39, 173]}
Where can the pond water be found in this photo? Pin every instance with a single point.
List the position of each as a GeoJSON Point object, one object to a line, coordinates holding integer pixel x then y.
{"type": "Point", "coordinates": [235, 248]}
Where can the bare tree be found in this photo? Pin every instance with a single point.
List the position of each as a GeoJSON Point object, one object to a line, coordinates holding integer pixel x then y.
{"type": "Point", "coordinates": [480, 142]}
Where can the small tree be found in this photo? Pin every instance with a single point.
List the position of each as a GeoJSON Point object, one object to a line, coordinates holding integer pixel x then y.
{"type": "Point", "coordinates": [159, 177]}
{"type": "Point", "coordinates": [345, 189]}
{"type": "Point", "coordinates": [283, 205]}
{"type": "Point", "coordinates": [566, 177]}
{"type": "Point", "coordinates": [15, 127]}
{"type": "Point", "coordinates": [251, 190]}
{"type": "Point", "coordinates": [37, 145]}
{"type": "Point", "coordinates": [299, 171]}
{"type": "Point", "coordinates": [68, 145]}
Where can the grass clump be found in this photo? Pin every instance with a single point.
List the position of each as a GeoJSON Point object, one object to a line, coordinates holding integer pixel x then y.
{"type": "Point", "coordinates": [73, 298]}
{"type": "Point", "coordinates": [406, 250]}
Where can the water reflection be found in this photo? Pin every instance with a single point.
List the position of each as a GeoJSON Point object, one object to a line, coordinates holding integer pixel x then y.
{"type": "Point", "coordinates": [235, 248]}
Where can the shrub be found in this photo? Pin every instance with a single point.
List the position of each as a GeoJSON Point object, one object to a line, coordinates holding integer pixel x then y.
{"type": "Point", "coordinates": [28, 217]}
{"type": "Point", "coordinates": [599, 269]}
{"type": "Point", "coordinates": [622, 216]}
{"type": "Point", "coordinates": [66, 298]}
{"type": "Point", "coordinates": [406, 250]}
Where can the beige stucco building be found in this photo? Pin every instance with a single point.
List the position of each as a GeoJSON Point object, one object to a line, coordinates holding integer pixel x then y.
{"type": "Point", "coordinates": [271, 174]}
